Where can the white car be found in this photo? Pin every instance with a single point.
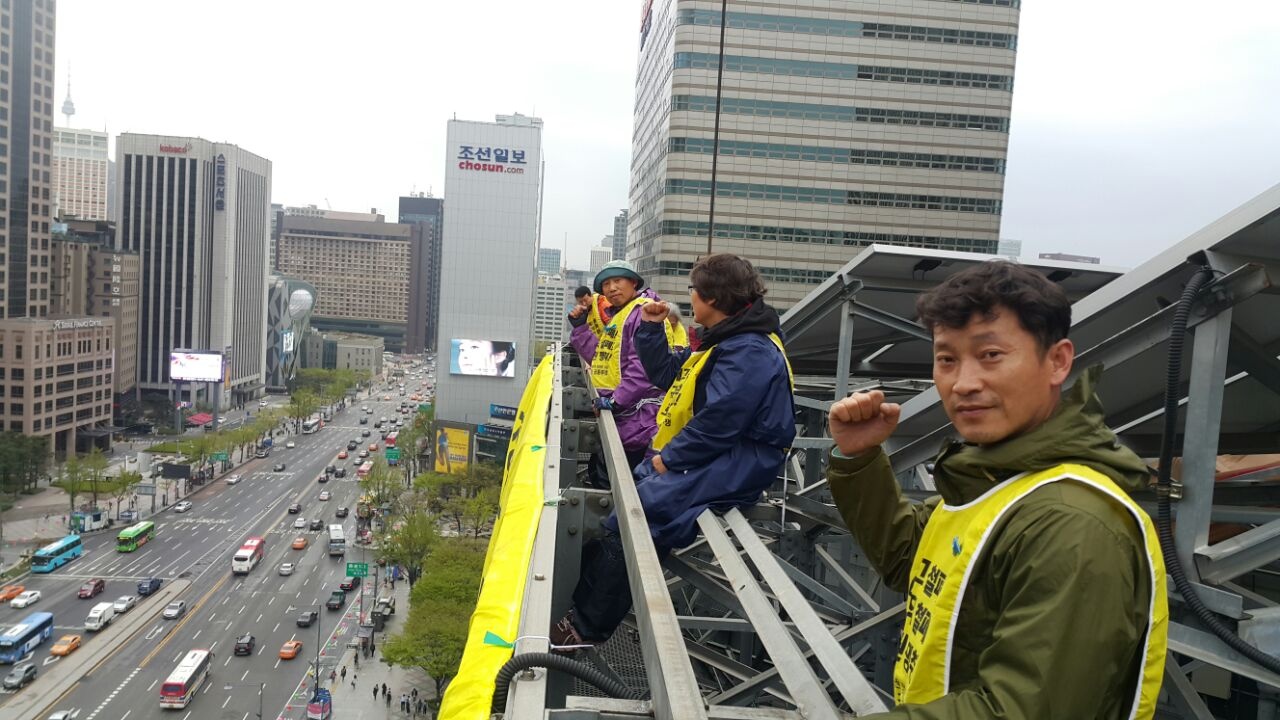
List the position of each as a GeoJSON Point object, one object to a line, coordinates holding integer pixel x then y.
{"type": "Point", "coordinates": [175, 609]}
{"type": "Point", "coordinates": [324, 495]}
{"type": "Point", "coordinates": [125, 603]}
{"type": "Point", "coordinates": [300, 524]}
{"type": "Point", "coordinates": [290, 445]}
{"type": "Point", "coordinates": [233, 479]}
{"type": "Point", "coordinates": [286, 568]}
{"type": "Point", "coordinates": [262, 403]}
{"type": "Point", "coordinates": [25, 599]}
{"type": "Point", "coordinates": [183, 506]}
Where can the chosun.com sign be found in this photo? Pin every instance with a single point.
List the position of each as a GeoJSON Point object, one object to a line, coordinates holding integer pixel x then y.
{"type": "Point", "coordinates": [491, 159]}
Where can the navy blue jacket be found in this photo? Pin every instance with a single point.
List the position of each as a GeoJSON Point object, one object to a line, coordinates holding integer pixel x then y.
{"type": "Point", "coordinates": [734, 446]}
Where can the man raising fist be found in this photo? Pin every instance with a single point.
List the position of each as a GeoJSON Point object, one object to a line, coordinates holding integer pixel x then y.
{"type": "Point", "coordinates": [1035, 586]}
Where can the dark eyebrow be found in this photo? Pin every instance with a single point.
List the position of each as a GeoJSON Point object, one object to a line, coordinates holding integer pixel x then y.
{"type": "Point", "coordinates": [981, 338]}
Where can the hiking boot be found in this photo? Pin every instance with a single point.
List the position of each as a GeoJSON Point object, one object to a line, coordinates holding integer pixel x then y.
{"type": "Point", "coordinates": [565, 638]}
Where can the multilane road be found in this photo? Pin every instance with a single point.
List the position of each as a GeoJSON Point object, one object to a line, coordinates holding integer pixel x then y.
{"type": "Point", "coordinates": [197, 546]}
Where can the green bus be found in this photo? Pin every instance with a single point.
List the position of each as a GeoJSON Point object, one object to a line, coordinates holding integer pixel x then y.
{"type": "Point", "coordinates": [135, 536]}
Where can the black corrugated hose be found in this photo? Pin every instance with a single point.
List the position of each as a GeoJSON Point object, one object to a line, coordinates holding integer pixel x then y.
{"type": "Point", "coordinates": [1164, 483]}
{"type": "Point", "coordinates": [553, 661]}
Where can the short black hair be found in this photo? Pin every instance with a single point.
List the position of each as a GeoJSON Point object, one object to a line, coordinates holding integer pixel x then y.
{"type": "Point", "coordinates": [731, 281]}
{"type": "Point", "coordinates": [1041, 305]}
{"type": "Point", "coordinates": [581, 292]}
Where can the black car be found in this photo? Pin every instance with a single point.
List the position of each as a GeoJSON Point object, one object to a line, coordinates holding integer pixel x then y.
{"type": "Point", "coordinates": [348, 584]}
{"type": "Point", "coordinates": [279, 467]}
{"type": "Point", "coordinates": [323, 478]}
{"type": "Point", "coordinates": [245, 644]}
{"type": "Point", "coordinates": [340, 473]}
{"type": "Point", "coordinates": [336, 600]}
{"type": "Point", "coordinates": [317, 524]}
{"type": "Point", "coordinates": [352, 445]}
{"type": "Point", "coordinates": [331, 469]}
{"type": "Point", "coordinates": [377, 425]}
{"type": "Point", "coordinates": [342, 512]}
{"type": "Point", "coordinates": [364, 421]}
{"type": "Point", "coordinates": [295, 508]}
{"type": "Point", "coordinates": [307, 617]}
{"type": "Point", "coordinates": [147, 586]}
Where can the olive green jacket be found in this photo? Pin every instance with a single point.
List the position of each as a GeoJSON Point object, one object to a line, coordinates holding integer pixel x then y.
{"type": "Point", "coordinates": [1053, 623]}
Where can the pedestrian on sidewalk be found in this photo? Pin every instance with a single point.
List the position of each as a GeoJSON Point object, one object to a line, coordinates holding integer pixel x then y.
{"type": "Point", "coordinates": [384, 692]}
{"type": "Point", "coordinates": [344, 672]}
{"type": "Point", "coordinates": [388, 697]}
{"type": "Point", "coordinates": [375, 690]}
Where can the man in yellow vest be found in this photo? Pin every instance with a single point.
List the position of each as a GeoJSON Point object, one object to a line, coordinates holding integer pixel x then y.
{"type": "Point", "coordinates": [1035, 586]}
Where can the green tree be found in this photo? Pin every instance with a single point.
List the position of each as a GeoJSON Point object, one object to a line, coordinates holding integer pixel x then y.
{"type": "Point", "coordinates": [95, 466]}
{"type": "Point", "coordinates": [125, 484]}
{"type": "Point", "coordinates": [380, 484]}
{"type": "Point", "coordinates": [74, 479]}
{"type": "Point", "coordinates": [413, 539]}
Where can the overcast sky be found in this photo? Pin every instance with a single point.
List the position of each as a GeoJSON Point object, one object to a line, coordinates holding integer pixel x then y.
{"type": "Point", "coordinates": [1135, 122]}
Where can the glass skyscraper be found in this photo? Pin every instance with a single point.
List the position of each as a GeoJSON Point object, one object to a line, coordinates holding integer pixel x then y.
{"type": "Point", "coordinates": [841, 125]}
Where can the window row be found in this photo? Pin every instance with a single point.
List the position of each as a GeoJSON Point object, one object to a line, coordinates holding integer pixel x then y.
{"type": "Point", "coordinates": [844, 71]}
{"type": "Point", "coordinates": [773, 274]}
{"type": "Point", "coordinates": [847, 28]}
{"type": "Point", "coordinates": [851, 156]}
{"type": "Point", "coordinates": [837, 113]}
{"type": "Point", "coordinates": [847, 238]}
{"type": "Point", "coordinates": [833, 196]}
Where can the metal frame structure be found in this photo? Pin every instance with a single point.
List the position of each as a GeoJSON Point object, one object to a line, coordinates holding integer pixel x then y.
{"type": "Point", "coordinates": [775, 613]}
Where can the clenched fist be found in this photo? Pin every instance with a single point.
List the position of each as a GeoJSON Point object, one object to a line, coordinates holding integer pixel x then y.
{"type": "Point", "coordinates": [654, 311]}
{"type": "Point", "coordinates": [862, 421]}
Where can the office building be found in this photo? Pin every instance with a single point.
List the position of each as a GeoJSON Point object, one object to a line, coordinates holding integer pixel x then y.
{"type": "Point", "coordinates": [1011, 249]}
{"type": "Point", "coordinates": [79, 174]}
{"type": "Point", "coordinates": [312, 211]}
{"type": "Point", "coordinates": [551, 300]}
{"type": "Point", "coordinates": [343, 351]}
{"type": "Point", "coordinates": [289, 305]}
{"type": "Point", "coordinates": [56, 378]}
{"type": "Point", "coordinates": [26, 141]}
{"type": "Point", "coordinates": [601, 255]}
{"type": "Point", "coordinates": [1069, 257]}
{"type": "Point", "coordinates": [361, 271]}
{"type": "Point", "coordinates": [549, 261]}
{"type": "Point", "coordinates": [841, 124]}
{"type": "Point", "coordinates": [196, 211]}
{"type": "Point", "coordinates": [620, 235]}
{"type": "Point", "coordinates": [89, 276]}
{"type": "Point", "coordinates": [424, 261]}
{"type": "Point", "coordinates": [488, 264]}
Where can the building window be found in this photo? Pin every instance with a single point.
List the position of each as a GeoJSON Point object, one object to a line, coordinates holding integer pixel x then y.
{"type": "Point", "coordinates": [840, 113]}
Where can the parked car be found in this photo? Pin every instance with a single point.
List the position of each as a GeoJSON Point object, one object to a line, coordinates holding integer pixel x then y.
{"type": "Point", "coordinates": [182, 506]}
{"type": "Point", "coordinates": [245, 644]}
{"type": "Point", "coordinates": [147, 586]}
{"type": "Point", "coordinates": [175, 609]}
{"type": "Point", "coordinates": [307, 617]}
{"type": "Point", "coordinates": [295, 508]}
{"type": "Point", "coordinates": [20, 676]}
{"type": "Point", "coordinates": [278, 468]}
{"type": "Point", "coordinates": [125, 603]}
{"type": "Point", "coordinates": [342, 512]}
{"type": "Point", "coordinates": [66, 645]}
{"type": "Point", "coordinates": [291, 648]}
{"type": "Point", "coordinates": [91, 587]}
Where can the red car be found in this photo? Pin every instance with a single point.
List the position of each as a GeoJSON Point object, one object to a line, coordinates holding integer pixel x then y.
{"type": "Point", "coordinates": [91, 588]}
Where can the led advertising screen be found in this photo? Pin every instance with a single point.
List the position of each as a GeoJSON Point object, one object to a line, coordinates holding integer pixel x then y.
{"type": "Point", "coordinates": [194, 366]}
{"type": "Point", "coordinates": [491, 358]}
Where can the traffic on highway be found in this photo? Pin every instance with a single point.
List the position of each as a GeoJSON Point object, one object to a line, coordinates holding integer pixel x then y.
{"type": "Point", "coordinates": [220, 608]}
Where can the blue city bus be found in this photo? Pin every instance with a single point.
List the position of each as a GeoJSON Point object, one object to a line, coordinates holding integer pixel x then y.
{"type": "Point", "coordinates": [56, 554]}
{"type": "Point", "coordinates": [24, 637]}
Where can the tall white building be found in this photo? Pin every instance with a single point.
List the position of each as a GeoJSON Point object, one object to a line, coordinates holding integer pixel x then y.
{"type": "Point", "coordinates": [600, 256]}
{"type": "Point", "coordinates": [841, 124]}
{"type": "Point", "coordinates": [197, 211]}
{"type": "Point", "coordinates": [551, 298]}
{"type": "Point", "coordinates": [80, 174]}
{"type": "Point", "coordinates": [493, 182]}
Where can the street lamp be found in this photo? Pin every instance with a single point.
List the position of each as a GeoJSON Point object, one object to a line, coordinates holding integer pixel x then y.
{"type": "Point", "coordinates": [261, 687]}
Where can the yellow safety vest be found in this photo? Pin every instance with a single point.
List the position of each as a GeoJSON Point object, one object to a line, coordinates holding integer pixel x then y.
{"type": "Point", "coordinates": [606, 366]}
{"type": "Point", "coordinates": [595, 321]}
{"type": "Point", "coordinates": [677, 407]}
{"type": "Point", "coordinates": [954, 540]}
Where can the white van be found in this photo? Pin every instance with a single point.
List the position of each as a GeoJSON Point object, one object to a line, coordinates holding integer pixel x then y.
{"type": "Point", "coordinates": [100, 616]}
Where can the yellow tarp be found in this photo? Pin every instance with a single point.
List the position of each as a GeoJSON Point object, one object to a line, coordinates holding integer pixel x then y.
{"type": "Point", "coordinates": [506, 564]}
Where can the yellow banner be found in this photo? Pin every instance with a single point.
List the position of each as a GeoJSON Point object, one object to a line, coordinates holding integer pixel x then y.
{"type": "Point", "coordinates": [506, 564]}
{"type": "Point", "coordinates": [453, 450]}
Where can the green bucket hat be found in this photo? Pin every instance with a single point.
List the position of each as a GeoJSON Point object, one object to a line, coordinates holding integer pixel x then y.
{"type": "Point", "coordinates": [617, 268]}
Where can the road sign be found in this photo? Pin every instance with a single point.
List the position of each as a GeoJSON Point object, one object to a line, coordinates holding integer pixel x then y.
{"type": "Point", "coordinates": [220, 456]}
{"type": "Point", "coordinates": [393, 453]}
{"type": "Point", "coordinates": [142, 489]}
{"type": "Point", "coordinates": [357, 570]}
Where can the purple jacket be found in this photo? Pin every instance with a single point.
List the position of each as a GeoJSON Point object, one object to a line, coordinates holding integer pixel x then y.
{"type": "Point", "coordinates": [635, 400]}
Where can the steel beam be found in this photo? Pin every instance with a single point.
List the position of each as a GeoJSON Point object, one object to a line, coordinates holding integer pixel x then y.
{"type": "Point", "coordinates": [887, 319]}
{"type": "Point", "coordinates": [1182, 695]}
{"type": "Point", "coordinates": [861, 599]}
{"type": "Point", "coordinates": [811, 698]}
{"type": "Point", "coordinates": [672, 685]}
{"type": "Point", "coordinates": [1201, 645]}
{"type": "Point", "coordinates": [1243, 553]}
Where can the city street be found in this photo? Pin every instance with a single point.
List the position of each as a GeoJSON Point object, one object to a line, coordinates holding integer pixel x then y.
{"type": "Point", "coordinates": [197, 546]}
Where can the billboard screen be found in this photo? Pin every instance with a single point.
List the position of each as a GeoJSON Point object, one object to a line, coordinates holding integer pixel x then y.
{"type": "Point", "coordinates": [491, 358]}
{"type": "Point", "coordinates": [286, 341]}
{"type": "Point", "coordinates": [452, 449]}
{"type": "Point", "coordinates": [195, 366]}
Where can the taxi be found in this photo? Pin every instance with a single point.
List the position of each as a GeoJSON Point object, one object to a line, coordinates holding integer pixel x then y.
{"type": "Point", "coordinates": [299, 543]}
{"type": "Point", "coordinates": [66, 645]}
{"type": "Point", "coordinates": [343, 455]}
{"type": "Point", "coordinates": [9, 592]}
{"type": "Point", "coordinates": [290, 649]}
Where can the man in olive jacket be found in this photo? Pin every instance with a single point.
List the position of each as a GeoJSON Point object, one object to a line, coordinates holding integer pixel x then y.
{"type": "Point", "coordinates": [1035, 587]}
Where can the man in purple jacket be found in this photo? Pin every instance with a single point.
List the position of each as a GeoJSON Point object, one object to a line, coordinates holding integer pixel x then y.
{"type": "Point", "coordinates": [616, 371]}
